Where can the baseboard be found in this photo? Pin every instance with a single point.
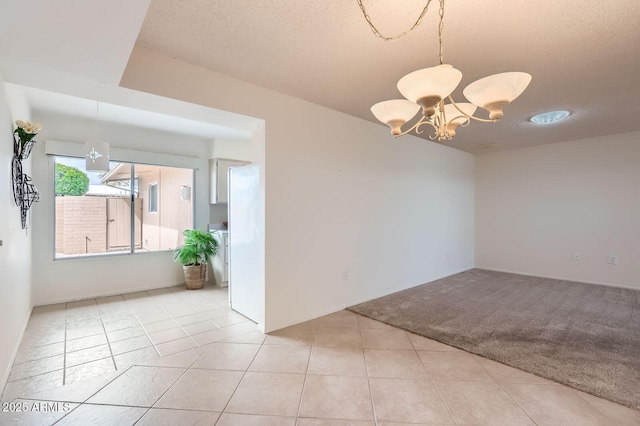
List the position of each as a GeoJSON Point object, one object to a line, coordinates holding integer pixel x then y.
{"type": "Point", "coordinates": [109, 293]}
{"type": "Point", "coordinates": [558, 278]}
{"type": "Point", "coordinates": [16, 349]}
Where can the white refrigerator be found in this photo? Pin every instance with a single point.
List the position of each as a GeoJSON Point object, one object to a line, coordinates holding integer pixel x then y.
{"type": "Point", "coordinates": [246, 243]}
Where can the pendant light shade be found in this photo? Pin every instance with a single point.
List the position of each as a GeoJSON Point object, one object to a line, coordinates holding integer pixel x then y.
{"type": "Point", "coordinates": [451, 112]}
{"type": "Point", "coordinates": [395, 112]}
{"type": "Point", "coordinates": [428, 86]}
{"type": "Point", "coordinates": [395, 109]}
{"type": "Point", "coordinates": [97, 156]}
{"type": "Point", "coordinates": [455, 118]}
{"type": "Point", "coordinates": [496, 91]}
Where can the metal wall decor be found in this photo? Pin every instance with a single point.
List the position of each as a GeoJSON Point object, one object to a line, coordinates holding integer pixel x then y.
{"type": "Point", "coordinates": [24, 192]}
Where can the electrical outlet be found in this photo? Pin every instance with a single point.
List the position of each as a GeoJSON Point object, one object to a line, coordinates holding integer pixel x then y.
{"type": "Point", "coordinates": [576, 256]}
{"type": "Point", "coordinates": [612, 260]}
{"type": "Point", "coordinates": [345, 275]}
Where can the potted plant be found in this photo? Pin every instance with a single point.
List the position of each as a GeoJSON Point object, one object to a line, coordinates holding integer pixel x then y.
{"type": "Point", "coordinates": [194, 256]}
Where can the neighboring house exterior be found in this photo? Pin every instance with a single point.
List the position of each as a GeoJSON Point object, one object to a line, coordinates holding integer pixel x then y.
{"type": "Point", "coordinates": [100, 221]}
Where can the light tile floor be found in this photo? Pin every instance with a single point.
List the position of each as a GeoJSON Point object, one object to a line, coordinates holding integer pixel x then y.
{"type": "Point", "coordinates": [178, 357]}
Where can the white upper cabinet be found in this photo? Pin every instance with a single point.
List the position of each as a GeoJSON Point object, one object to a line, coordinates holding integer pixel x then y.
{"type": "Point", "coordinates": [219, 168]}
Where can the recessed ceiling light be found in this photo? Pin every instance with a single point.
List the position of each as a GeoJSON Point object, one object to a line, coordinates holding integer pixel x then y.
{"type": "Point", "coordinates": [550, 117]}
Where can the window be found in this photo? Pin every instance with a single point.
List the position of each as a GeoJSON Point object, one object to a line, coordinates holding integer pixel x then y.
{"type": "Point", "coordinates": [103, 213]}
{"type": "Point", "coordinates": [153, 198]}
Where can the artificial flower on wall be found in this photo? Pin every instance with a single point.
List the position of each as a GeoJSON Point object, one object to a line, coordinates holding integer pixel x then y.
{"type": "Point", "coordinates": [25, 132]}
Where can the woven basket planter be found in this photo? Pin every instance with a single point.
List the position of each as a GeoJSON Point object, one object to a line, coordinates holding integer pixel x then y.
{"type": "Point", "coordinates": [195, 275]}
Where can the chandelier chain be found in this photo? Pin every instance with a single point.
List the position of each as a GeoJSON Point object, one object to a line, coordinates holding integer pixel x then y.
{"type": "Point", "coordinates": [440, 30]}
{"type": "Point", "coordinates": [399, 36]}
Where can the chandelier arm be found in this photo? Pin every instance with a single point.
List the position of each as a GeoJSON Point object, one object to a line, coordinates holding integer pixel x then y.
{"type": "Point", "coordinates": [472, 117]}
{"type": "Point", "coordinates": [396, 37]}
{"type": "Point", "coordinates": [466, 122]}
{"type": "Point", "coordinates": [417, 126]}
{"type": "Point", "coordinates": [463, 123]}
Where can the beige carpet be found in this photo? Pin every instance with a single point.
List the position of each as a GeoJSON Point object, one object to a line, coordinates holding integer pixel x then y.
{"type": "Point", "coordinates": [582, 335]}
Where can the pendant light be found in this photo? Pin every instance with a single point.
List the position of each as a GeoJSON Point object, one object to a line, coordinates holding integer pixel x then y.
{"type": "Point", "coordinates": [97, 151]}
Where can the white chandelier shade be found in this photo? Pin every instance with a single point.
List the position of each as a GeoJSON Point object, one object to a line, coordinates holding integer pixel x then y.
{"type": "Point", "coordinates": [428, 86]}
{"type": "Point", "coordinates": [457, 116]}
{"type": "Point", "coordinates": [395, 113]}
{"type": "Point", "coordinates": [454, 113]}
{"type": "Point", "coordinates": [495, 91]}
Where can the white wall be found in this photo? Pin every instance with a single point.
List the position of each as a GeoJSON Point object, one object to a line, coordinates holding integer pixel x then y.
{"type": "Point", "coordinates": [15, 252]}
{"type": "Point", "coordinates": [71, 279]}
{"type": "Point", "coordinates": [536, 206]}
{"type": "Point", "coordinates": [235, 149]}
{"type": "Point", "coordinates": [341, 195]}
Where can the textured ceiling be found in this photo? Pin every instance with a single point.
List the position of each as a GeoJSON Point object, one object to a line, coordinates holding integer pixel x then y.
{"type": "Point", "coordinates": [584, 56]}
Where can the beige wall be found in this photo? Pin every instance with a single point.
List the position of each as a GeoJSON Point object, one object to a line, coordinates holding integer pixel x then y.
{"type": "Point", "coordinates": [536, 206]}
{"type": "Point", "coordinates": [150, 221]}
{"type": "Point", "coordinates": [163, 230]}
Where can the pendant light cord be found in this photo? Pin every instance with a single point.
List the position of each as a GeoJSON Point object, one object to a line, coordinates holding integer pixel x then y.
{"type": "Point", "coordinates": [97, 119]}
{"type": "Point", "coordinates": [399, 36]}
{"type": "Point", "coordinates": [415, 25]}
{"type": "Point", "coordinates": [440, 30]}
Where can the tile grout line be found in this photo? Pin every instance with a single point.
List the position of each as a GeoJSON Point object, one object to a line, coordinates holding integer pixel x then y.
{"type": "Point", "coordinates": [366, 372]}
{"type": "Point", "coordinates": [64, 358]}
{"type": "Point", "coordinates": [244, 373]}
{"type": "Point", "coordinates": [124, 371]}
{"type": "Point", "coordinates": [106, 336]}
{"type": "Point", "coordinates": [507, 392]}
{"type": "Point", "coordinates": [172, 319]}
{"type": "Point", "coordinates": [445, 403]}
{"type": "Point", "coordinates": [306, 373]}
{"type": "Point", "coordinates": [65, 342]}
{"type": "Point", "coordinates": [432, 382]}
{"type": "Point", "coordinates": [593, 406]}
{"type": "Point", "coordinates": [168, 389]}
{"type": "Point", "coordinates": [192, 306]}
{"type": "Point", "coordinates": [513, 399]}
{"type": "Point", "coordinates": [92, 395]}
{"type": "Point", "coordinates": [146, 333]}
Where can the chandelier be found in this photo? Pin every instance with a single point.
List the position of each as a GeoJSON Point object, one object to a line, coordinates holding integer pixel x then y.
{"type": "Point", "coordinates": [428, 88]}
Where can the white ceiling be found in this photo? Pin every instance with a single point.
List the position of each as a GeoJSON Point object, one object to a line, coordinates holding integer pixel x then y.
{"type": "Point", "coordinates": [87, 39]}
{"type": "Point", "coordinates": [584, 56]}
{"type": "Point", "coordinates": [82, 49]}
{"type": "Point", "coordinates": [43, 102]}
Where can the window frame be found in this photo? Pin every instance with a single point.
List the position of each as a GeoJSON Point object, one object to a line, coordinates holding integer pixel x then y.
{"type": "Point", "coordinates": [132, 195]}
